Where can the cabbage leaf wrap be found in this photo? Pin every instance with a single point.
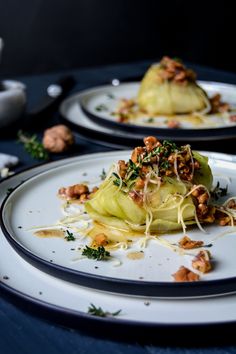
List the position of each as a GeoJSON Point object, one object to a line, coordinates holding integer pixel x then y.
{"type": "Point", "coordinates": [166, 206]}
{"type": "Point", "coordinates": [158, 96]}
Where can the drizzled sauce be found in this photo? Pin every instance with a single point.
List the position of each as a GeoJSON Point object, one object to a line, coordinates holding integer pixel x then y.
{"type": "Point", "coordinates": [50, 233]}
{"type": "Point", "coordinates": [135, 255]}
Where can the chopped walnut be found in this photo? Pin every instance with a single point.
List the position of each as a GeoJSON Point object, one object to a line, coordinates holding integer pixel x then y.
{"type": "Point", "coordinates": [187, 243]}
{"type": "Point", "coordinates": [217, 106]}
{"type": "Point", "coordinates": [137, 197]}
{"type": "Point", "coordinates": [233, 118]}
{"type": "Point", "coordinates": [184, 275]}
{"type": "Point", "coordinates": [125, 108]}
{"type": "Point", "coordinates": [224, 221]}
{"type": "Point", "coordinates": [202, 261]}
{"type": "Point", "coordinates": [101, 239]}
{"type": "Point", "coordinates": [138, 151]}
{"type": "Point", "coordinates": [231, 204]}
{"type": "Point", "coordinates": [205, 212]}
{"type": "Point", "coordinates": [77, 191]}
{"type": "Point", "coordinates": [174, 70]}
{"type": "Point", "coordinates": [122, 168]}
{"type": "Point", "coordinates": [173, 124]}
{"type": "Point", "coordinates": [58, 138]}
{"type": "Point", "coordinates": [151, 142]}
{"type": "Point", "coordinates": [222, 218]}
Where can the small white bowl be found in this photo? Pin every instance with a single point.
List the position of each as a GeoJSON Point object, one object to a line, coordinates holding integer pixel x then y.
{"type": "Point", "coordinates": [12, 102]}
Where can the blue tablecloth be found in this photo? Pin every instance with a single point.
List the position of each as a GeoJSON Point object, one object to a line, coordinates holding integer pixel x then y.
{"type": "Point", "coordinates": [24, 332]}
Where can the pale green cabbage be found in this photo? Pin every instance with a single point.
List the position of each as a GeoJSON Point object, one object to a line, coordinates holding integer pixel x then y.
{"type": "Point", "coordinates": [167, 97]}
{"type": "Point", "coordinates": [113, 207]}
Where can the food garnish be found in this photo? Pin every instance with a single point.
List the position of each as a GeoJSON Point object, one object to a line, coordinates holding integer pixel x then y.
{"type": "Point", "coordinates": [218, 191]}
{"type": "Point", "coordinates": [98, 254]}
{"type": "Point", "coordinates": [98, 311]}
{"type": "Point", "coordinates": [185, 275]}
{"type": "Point", "coordinates": [202, 261]}
{"type": "Point", "coordinates": [187, 244]}
{"type": "Point", "coordinates": [33, 146]}
{"type": "Point", "coordinates": [69, 236]}
{"type": "Point", "coordinates": [103, 174]}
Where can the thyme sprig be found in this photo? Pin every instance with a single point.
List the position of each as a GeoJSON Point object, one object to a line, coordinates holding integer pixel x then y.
{"type": "Point", "coordinates": [32, 145]}
{"type": "Point", "coordinates": [156, 159]}
{"type": "Point", "coordinates": [132, 171]}
{"type": "Point", "coordinates": [98, 254]}
{"type": "Point", "coordinates": [70, 236]}
{"type": "Point", "coordinates": [219, 192]}
{"type": "Point", "coordinates": [118, 181]}
{"type": "Point", "coordinates": [98, 311]}
{"type": "Point", "coordinates": [103, 174]}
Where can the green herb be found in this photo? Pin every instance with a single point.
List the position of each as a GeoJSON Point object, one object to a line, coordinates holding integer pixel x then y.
{"type": "Point", "coordinates": [150, 120]}
{"type": "Point", "coordinates": [103, 175]}
{"type": "Point", "coordinates": [101, 107]}
{"type": "Point", "coordinates": [134, 169]}
{"type": "Point", "coordinates": [70, 236]}
{"type": "Point", "coordinates": [98, 311]}
{"type": "Point", "coordinates": [178, 60]}
{"type": "Point", "coordinates": [169, 145]}
{"type": "Point", "coordinates": [33, 146]}
{"type": "Point", "coordinates": [218, 191]}
{"type": "Point", "coordinates": [117, 181]}
{"type": "Point", "coordinates": [111, 96]}
{"type": "Point", "coordinates": [165, 165]}
{"type": "Point", "coordinates": [96, 253]}
{"type": "Point", "coordinates": [9, 190]}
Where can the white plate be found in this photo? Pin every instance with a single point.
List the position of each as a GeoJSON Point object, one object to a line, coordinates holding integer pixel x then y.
{"type": "Point", "coordinates": [35, 203]}
{"type": "Point", "coordinates": [100, 104]}
{"type": "Point", "coordinates": [118, 134]}
{"type": "Point", "coordinates": [70, 301]}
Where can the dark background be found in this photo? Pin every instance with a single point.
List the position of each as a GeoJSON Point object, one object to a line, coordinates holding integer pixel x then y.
{"type": "Point", "coordinates": [51, 35]}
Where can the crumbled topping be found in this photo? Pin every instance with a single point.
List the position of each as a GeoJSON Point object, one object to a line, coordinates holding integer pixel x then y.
{"type": "Point", "coordinates": [202, 262]}
{"type": "Point", "coordinates": [217, 106]}
{"type": "Point", "coordinates": [185, 275]}
{"type": "Point", "coordinates": [101, 239]}
{"type": "Point", "coordinates": [187, 243]}
{"type": "Point", "coordinates": [173, 124]}
{"type": "Point", "coordinates": [76, 192]}
{"type": "Point", "coordinates": [153, 161]}
{"type": "Point", "coordinates": [174, 70]}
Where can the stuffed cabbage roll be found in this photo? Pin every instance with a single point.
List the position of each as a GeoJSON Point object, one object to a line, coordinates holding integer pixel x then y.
{"type": "Point", "coordinates": [161, 188]}
{"type": "Point", "coordinates": [170, 88]}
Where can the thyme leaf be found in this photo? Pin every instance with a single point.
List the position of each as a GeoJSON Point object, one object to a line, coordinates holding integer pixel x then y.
{"type": "Point", "coordinates": [96, 253]}
{"type": "Point", "coordinates": [103, 174]}
{"type": "Point", "coordinates": [32, 145]}
{"type": "Point", "coordinates": [101, 108]}
{"type": "Point", "coordinates": [70, 236]}
{"type": "Point", "coordinates": [219, 192]}
{"type": "Point", "coordinates": [98, 311]}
